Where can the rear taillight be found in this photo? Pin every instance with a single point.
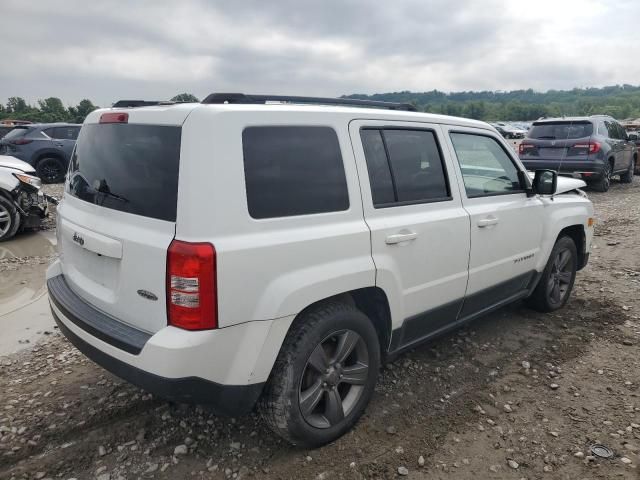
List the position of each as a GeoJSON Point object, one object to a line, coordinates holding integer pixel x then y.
{"type": "Point", "coordinates": [114, 117]}
{"type": "Point", "coordinates": [191, 286]}
{"type": "Point", "coordinates": [20, 141]}
{"type": "Point", "coordinates": [523, 147]}
{"type": "Point", "coordinates": [591, 147]}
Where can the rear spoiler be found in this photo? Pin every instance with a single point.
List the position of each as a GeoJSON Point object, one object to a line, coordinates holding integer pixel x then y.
{"type": "Point", "coordinates": [142, 103]}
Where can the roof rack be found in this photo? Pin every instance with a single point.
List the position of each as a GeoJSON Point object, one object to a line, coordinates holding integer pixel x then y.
{"type": "Point", "coordinates": [141, 103]}
{"type": "Point", "coordinates": [241, 98]}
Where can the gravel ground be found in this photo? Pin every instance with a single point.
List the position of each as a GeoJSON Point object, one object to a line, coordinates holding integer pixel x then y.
{"type": "Point", "coordinates": [516, 395]}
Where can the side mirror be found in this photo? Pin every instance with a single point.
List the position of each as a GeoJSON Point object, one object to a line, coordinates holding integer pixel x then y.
{"type": "Point", "coordinates": [633, 136]}
{"type": "Point", "coordinates": [545, 182]}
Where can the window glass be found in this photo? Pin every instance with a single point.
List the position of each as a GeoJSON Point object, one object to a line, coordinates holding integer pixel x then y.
{"type": "Point", "coordinates": [293, 171]}
{"type": "Point", "coordinates": [612, 130]}
{"type": "Point", "coordinates": [128, 167]}
{"type": "Point", "coordinates": [378, 167]}
{"type": "Point", "coordinates": [416, 165]}
{"type": "Point", "coordinates": [486, 167]}
{"type": "Point", "coordinates": [602, 129]}
{"type": "Point", "coordinates": [560, 130]}
{"type": "Point", "coordinates": [17, 132]}
{"type": "Point", "coordinates": [50, 132]}
{"type": "Point", "coordinates": [63, 133]}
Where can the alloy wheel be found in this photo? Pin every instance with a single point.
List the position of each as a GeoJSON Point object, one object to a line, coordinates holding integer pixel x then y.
{"type": "Point", "coordinates": [5, 220]}
{"type": "Point", "coordinates": [333, 379]}
{"type": "Point", "coordinates": [561, 276]}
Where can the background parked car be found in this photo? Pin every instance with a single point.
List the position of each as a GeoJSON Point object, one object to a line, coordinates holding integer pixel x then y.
{"type": "Point", "coordinates": [47, 147]}
{"type": "Point", "coordinates": [508, 130]}
{"type": "Point", "coordinates": [635, 138]}
{"type": "Point", "coordinates": [593, 148]}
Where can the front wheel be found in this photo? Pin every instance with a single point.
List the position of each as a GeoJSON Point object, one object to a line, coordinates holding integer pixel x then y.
{"type": "Point", "coordinates": [555, 285]}
{"type": "Point", "coordinates": [324, 376]}
{"type": "Point", "coordinates": [9, 219]}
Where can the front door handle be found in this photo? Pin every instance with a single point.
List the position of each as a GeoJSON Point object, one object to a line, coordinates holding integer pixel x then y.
{"type": "Point", "coordinates": [401, 237]}
{"type": "Point", "coordinates": [487, 222]}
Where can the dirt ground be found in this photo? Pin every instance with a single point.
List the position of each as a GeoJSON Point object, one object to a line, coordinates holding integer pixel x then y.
{"type": "Point", "coordinates": [516, 395]}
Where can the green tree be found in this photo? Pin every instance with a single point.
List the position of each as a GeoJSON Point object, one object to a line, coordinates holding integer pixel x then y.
{"type": "Point", "coordinates": [17, 105]}
{"type": "Point", "coordinates": [80, 112]}
{"type": "Point", "coordinates": [185, 97]}
{"type": "Point", "coordinates": [52, 110]}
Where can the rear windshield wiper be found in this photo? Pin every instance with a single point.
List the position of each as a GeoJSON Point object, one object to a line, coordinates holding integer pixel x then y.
{"type": "Point", "coordinates": [546, 137]}
{"type": "Point", "coordinates": [104, 189]}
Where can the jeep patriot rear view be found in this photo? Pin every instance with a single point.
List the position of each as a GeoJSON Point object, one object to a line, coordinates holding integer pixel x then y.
{"type": "Point", "coordinates": [273, 251]}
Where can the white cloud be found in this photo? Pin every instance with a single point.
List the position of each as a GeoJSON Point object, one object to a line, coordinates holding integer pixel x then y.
{"type": "Point", "coordinates": [110, 49]}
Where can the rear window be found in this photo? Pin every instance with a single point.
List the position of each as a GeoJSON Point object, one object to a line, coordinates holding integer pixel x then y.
{"type": "Point", "coordinates": [560, 130]}
{"type": "Point", "coordinates": [127, 167]}
{"type": "Point", "coordinates": [17, 132]}
{"type": "Point", "coordinates": [293, 171]}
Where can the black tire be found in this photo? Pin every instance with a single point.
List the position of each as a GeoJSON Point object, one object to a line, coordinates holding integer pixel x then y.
{"type": "Point", "coordinates": [603, 184]}
{"type": "Point", "coordinates": [50, 170]}
{"type": "Point", "coordinates": [280, 404]}
{"type": "Point", "coordinates": [627, 177]}
{"type": "Point", "coordinates": [556, 276]}
{"type": "Point", "coordinates": [9, 219]}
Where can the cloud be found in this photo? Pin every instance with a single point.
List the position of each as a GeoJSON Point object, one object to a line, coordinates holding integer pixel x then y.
{"type": "Point", "coordinates": [110, 49]}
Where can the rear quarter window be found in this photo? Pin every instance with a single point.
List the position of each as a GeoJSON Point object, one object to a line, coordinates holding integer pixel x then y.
{"type": "Point", "coordinates": [293, 170]}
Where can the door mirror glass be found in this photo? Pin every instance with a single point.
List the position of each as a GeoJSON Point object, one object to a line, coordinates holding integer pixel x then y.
{"type": "Point", "coordinates": [633, 136]}
{"type": "Point", "coordinates": [545, 182]}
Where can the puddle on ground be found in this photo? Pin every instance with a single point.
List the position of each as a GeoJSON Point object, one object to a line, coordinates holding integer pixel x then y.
{"type": "Point", "coordinates": [22, 280]}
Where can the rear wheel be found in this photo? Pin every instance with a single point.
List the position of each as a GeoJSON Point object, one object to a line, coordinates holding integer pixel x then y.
{"type": "Point", "coordinates": [555, 285]}
{"type": "Point", "coordinates": [50, 170]}
{"type": "Point", "coordinates": [324, 376]}
{"type": "Point", "coordinates": [9, 219]}
{"type": "Point", "coordinates": [603, 184]}
{"type": "Point", "coordinates": [627, 177]}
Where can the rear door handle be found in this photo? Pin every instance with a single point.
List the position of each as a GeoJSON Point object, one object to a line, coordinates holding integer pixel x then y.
{"type": "Point", "coordinates": [401, 237]}
{"type": "Point", "coordinates": [487, 222]}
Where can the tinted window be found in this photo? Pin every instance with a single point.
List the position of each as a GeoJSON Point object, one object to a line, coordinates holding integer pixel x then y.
{"type": "Point", "coordinates": [378, 167]}
{"type": "Point", "coordinates": [416, 165]}
{"type": "Point", "coordinates": [486, 167]}
{"type": "Point", "coordinates": [560, 130]}
{"type": "Point", "coordinates": [131, 168]}
{"type": "Point", "coordinates": [293, 171]}
{"type": "Point", "coordinates": [65, 133]}
{"type": "Point", "coordinates": [602, 129]}
{"type": "Point", "coordinates": [17, 132]}
{"type": "Point", "coordinates": [612, 130]}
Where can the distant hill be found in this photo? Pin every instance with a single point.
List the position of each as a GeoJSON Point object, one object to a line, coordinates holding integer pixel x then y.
{"type": "Point", "coordinates": [619, 101]}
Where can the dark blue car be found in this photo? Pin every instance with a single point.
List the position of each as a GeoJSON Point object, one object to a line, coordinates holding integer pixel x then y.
{"type": "Point", "coordinates": [592, 148]}
{"type": "Point", "coordinates": [45, 146]}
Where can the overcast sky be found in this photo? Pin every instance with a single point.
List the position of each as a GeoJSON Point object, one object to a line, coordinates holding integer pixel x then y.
{"type": "Point", "coordinates": [105, 50]}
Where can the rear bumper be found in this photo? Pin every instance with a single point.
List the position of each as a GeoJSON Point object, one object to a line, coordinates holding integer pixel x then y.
{"type": "Point", "coordinates": [170, 364]}
{"type": "Point", "coordinates": [583, 169]}
{"type": "Point", "coordinates": [229, 400]}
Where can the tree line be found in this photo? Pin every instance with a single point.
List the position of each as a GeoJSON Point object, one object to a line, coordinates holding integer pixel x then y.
{"type": "Point", "coordinates": [619, 101]}
{"type": "Point", "coordinates": [51, 110]}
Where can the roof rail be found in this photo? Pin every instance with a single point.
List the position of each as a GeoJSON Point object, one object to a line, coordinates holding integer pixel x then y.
{"type": "Point", "coordinates": [141, 103]}
{"type": "Point", "coordinates": [241, 98]}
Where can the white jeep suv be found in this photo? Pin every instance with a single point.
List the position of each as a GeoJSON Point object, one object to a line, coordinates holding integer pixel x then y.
{"type": "Point", "coordinates": [273, 251]}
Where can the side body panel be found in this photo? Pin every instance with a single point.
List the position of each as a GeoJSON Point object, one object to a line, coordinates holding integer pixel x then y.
{"type": "Point", "coordinates": [425, 278]}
